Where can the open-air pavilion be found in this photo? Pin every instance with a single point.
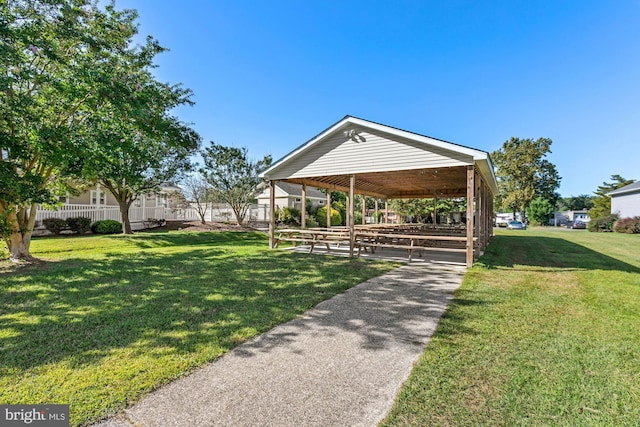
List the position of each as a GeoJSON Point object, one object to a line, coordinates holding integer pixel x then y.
{"type": "Point", "coordinates": [364, 158]}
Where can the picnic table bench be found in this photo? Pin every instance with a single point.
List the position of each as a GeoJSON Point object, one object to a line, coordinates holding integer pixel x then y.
{"type": "Point", "coordinates": [373, 238]}
{"type": "Point", "coordinates": [411, 242]}
{"type": "Point", "coordinates": [312, 237]}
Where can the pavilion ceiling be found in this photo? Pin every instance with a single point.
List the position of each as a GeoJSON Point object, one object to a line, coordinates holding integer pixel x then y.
{"type": "Point", "coordinates": [418, 183]}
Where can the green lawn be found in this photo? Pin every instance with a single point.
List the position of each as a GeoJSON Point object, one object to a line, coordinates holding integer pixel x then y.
{"type": "Point", "coordinates": [107, 319]}
{"type": "Point", "coordinates": [545, 330]}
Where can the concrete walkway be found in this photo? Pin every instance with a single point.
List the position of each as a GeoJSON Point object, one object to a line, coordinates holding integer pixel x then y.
{"type": "Point", "coordinates": [340, 364]}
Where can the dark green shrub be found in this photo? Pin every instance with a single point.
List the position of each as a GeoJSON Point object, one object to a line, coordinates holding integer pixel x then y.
{"type": "Point", "coordinates": [54, 225]}
{"type": "Point", "coordinates": [627, 225]}
{"type": "Point", "coordinates": [106, 226]}
{"type": "Point", "coordinates": [603, 223]}
{"type": "Point", "coordinates": [321, 217]}
{"type": "Point", "coordinates": [79, 225]}
{"type": "Point", "coordinates": [539, 211]}
{"type": "Point", "coordinates": [357, 218]}
{"type": "Point", "coordinates": [289, 216]}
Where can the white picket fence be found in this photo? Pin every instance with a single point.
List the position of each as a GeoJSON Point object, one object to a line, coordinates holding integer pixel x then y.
{"type": "Point", "coordinates": [97, 213]}
{"type": "Point", "coordinates": [215, 213]}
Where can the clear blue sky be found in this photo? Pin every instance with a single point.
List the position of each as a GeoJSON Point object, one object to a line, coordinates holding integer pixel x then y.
{"type": "Point", "coordinates": [269, 75]}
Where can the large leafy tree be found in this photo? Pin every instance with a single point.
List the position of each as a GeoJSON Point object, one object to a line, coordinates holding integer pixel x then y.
{"type": "Point", "coordinates": [233, 177]}
{"type": "Point", "coordinates": [53, 77]}
{"type": "Point", "coordinates": [137, 144]}
{"type": "Point", "coordinates": [68, 73]}
{"type": "Point", "coordinates": [524, 173]}
{"type": "Point", "coordinates": [575, 203]}
{"type": "Point", "coordinates": [601, 202]}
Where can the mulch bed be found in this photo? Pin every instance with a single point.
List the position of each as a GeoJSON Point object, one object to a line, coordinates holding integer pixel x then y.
{"type": "Point", "coordinates": [198, 226]}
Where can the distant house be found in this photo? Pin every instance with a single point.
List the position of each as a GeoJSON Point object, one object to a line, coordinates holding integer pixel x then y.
{"type": "Point", "coordinates": [290, 195]}
{"type": "Point", "coordinates": [97, 203]}
{"type": "Point", "coordinates": [625, 201]}
{"type": "Point", "coordinates": [99, 196]}
{"type": "Point", "coordinates": [566, 218]}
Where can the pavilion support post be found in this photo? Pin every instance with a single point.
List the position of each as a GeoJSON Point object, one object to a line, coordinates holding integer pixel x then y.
{"type": "Point", "coordinates": [352, 228]}
{"type": "Point", "coordinates": [348, 211]}
{"type": "Point", "coordinates": [491, 215]}
{"type": "Point", "coordinates": [328, 208]}
{"type": "Point", "coordinates": [481, 214]}
{"type": "Point", "coordinates": [477, 221]}
{"type": "Point", "coordinates": [303, 208]}
{"type": "Point", "coordinates": [470, 226]}
{"type": "Point", "coordinates": [435, 210]}
{"type": "Point", "coordinates": [375, 215]}
{"type": "Point", "coordinates": [364, 208]}
{"type": "Point", "coordinates": [272, 213]}
{"type": "Point", "coordinates": [386, 212]}
{"type": "Point", "coordinates": [487, 216]}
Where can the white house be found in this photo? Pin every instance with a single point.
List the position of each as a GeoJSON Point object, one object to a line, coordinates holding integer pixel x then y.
{"type": "Point", "coordinates": [99, 196]}
{"type": "Point", "coordinates": [98, 203]}
{"type": "Point", "coordinates": [625, 201]}
{"type": "Point", "coordinates": [566, 218]}
{"type": "Point", "coordinates": [290, 195]}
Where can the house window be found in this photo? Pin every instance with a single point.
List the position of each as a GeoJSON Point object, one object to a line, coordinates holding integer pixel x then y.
{"type": "Point", "coordinates": [161, 200]}
{"type": "Point", "coordinates": [63, 199]}
{"type": "Point", "coordinates": [321, 202]}
{"type": "Point", "coordinates": [94, 198]}
{"type": "Point", "coordinates": [298, 200]}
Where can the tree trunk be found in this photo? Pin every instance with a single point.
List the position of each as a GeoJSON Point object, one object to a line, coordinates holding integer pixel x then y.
{"type": "Point", "coordinates": [202, 212]}
{"type": "Point", "coordinates": [124, 213]}
{"type": "Point", "coordinates": [21, 224]}
{"type": "Point", "coordinates": [240, 212]}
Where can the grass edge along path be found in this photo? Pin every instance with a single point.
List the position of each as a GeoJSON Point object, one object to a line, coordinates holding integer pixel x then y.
{"type": "Point", "coordinates": [106, 320]}
{"type": "Point", "coordinates": [544, 330]}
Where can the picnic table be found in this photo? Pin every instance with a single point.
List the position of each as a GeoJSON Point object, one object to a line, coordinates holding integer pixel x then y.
{"type": "Point", "coordinates": [312, 236]}
{"type": "Point", "coordinates": [413, 238]}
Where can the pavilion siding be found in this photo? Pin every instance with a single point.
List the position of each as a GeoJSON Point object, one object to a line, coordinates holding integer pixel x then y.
{"type": "Point", "coordinates": [375, 153]}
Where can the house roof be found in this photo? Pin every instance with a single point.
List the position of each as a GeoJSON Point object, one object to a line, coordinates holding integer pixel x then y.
{"type": "Point", "coordinates": [388, 162]}
{"type": "Point", "coordinates": [631, 188]}
{"type": "Point", "coordinates": [296, 190]}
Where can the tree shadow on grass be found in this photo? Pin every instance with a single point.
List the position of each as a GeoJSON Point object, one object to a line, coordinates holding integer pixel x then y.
{"type": "Point", "coordinates": [399, 309]}
{"type": "Point", "coordinates": [81, 310]}
{"type": "Point", "coordinates": [206, 238]}
{"type": "Point", "coordinates": [548, 253]}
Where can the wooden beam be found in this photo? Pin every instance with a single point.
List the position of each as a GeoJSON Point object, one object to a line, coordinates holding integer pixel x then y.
{"type": "Point", "coordinates": [352, 228]}
{"type": "Point", "coordinates": [328, 208]}
{"type": "Point", "coordinates": [316, 182]}
{"type": "Point", "coordinates": [364, 208]}
{"type": "Point", "coordinates": [480, 214]}
{"type": "Point", "coordinates": [491, 213]}
{"type": "Point", "coordinates": [375, 215]}
{"type": "Point", "coordinates": [435, 210]}
{"type": "Point", "coordinates": [272, 213]}
{"type": "Point", "coordinates": [470, 190]}
{"type": "Point", "coordinates": [386, 212]}
{"type": "Point", "coordinates": [303, 208]}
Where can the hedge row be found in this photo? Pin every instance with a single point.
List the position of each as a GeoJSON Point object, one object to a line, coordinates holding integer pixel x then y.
{"type": "Point", "coordinates": [80, 225]}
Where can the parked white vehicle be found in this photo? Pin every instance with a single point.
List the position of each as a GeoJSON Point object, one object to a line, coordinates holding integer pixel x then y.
{"type": "Point", "coordinates": [502, 219]}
